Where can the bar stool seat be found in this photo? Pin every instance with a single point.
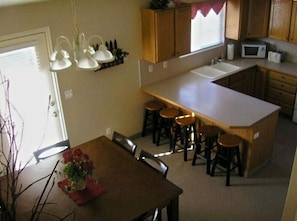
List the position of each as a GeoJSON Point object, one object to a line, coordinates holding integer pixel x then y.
{"type": "Point", "coordinates": [187, 126]}
{"type": "Point", "coordinates": [151, 116]}
{"type": "Point", "coordinates": [166, 125]}
{"type": "Point", "coordinates": [228, 148]}
{"type": "Point", "coordinates": [210, 134]}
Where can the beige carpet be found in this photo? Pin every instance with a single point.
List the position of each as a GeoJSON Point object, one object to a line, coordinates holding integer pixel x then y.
{"type": "Point", "coordinates": [258, 198]}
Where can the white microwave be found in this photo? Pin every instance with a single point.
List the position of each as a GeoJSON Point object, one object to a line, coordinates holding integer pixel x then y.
{"type": "Point", "coordinates": [253, 50]}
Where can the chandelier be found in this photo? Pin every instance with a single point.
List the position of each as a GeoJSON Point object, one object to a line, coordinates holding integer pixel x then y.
{"type": "Point", "coordinates": [80, 52]}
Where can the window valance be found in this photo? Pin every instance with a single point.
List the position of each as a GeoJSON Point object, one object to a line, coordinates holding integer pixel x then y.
{"type": "Point", "coordinates": [205, 6]}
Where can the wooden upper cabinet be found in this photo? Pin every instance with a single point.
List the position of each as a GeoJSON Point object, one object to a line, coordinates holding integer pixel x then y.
{"type": "Point", "coordinates": [234, 16]}
{"type": "Point", "coordinates": [166, 33]}
{"type": "Point", "coordinates": [258, 18]}
{"type": "Point", "coordinates": [293, 27]}
{"type": "Point", "coordinates": [280, 15]}
{"type": "Point", "coordinates": [247, 19]}
{"type": "Point", "coordinates": [182, 31]}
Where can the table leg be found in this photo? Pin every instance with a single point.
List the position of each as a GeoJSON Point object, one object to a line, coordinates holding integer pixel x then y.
{"type": "Point", "coordinates": [172, 210]}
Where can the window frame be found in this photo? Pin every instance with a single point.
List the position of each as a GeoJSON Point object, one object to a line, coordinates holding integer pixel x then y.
{"type": "Point", "coordinates": [214, 45]}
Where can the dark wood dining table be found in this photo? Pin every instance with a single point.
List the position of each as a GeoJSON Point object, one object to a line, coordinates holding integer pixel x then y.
{"type": "Point", "coordinates": [132, 188]}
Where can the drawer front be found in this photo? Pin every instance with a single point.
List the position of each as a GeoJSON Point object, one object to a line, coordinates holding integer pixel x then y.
{"type": "Point", "coordinates": [282, 86]}
{"type": "Point", "coordinates": [281, 96]}
{"type": "Point", "coordinates": [283, 78]}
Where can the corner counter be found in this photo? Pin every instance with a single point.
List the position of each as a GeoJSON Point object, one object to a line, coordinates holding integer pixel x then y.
{"type": "Point", "coordinates": [251, 119]}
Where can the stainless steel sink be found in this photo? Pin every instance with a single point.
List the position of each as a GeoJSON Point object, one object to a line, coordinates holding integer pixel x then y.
{"type": "Point", "coordinates": [215, 70]}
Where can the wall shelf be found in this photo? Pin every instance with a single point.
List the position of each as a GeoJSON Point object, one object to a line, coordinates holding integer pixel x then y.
{"type": "Point", "coordinates": [118, 53]}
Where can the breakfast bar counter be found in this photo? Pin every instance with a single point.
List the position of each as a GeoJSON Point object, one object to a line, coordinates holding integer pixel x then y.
{"type": "Point", "coordinates": [251, 119]}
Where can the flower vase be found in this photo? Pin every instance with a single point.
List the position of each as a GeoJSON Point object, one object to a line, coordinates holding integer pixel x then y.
{"type": "Point", "coordinates": [81, 185]}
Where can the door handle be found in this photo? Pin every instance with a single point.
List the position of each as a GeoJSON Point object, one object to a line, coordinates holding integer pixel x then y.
{"type": "Point", "coordinates": [55, 114]}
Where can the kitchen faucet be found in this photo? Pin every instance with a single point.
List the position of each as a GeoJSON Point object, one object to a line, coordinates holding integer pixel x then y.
{"type": "Point", "coordinates": [216, 60]}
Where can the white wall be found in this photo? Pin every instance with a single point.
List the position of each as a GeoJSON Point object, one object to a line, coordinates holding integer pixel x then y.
{"type": "Point", "coordinates": [108, 98]}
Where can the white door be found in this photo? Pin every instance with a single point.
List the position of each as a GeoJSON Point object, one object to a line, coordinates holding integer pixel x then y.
{"type": "Point", "coordinates": [33, 91]}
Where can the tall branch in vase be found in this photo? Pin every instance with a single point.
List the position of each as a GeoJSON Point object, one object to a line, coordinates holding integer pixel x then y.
{"type": "Point", "coordinates": [10, 170]}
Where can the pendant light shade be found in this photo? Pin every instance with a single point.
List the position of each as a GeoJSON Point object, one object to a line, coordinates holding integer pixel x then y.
{"type": "Point", "coordinates": [60, 60]}
{"type": "Point", "coordinates": [87, 62]}
{"type": "Point", "coordinates": [103, 55]}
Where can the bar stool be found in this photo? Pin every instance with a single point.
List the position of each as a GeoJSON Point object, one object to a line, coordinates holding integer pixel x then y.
{"type": "Point", "coordinates": [186, 126]}
{"type": "Point", "coordinates": [207, 137]}
{"type": "Point", "coordinates": [151, 116]}
{"type": "Point", "coordinates": [228, 148]}
{"type": "Point", "coordinates": [166, 125]}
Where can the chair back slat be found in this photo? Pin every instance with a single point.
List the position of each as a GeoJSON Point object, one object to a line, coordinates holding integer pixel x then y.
{"type": "Point", "coordinates": [51, 150]}
{"type": "Point", "coordinates": [153, 162]}
{"type": "Point", "coordinates": [124, 142]}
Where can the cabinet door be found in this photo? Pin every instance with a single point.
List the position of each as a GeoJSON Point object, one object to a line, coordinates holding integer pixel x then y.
{"type": "Point", "coordinates": [293, 28]}
{"type": "Point", "coordinates": [182, 31]}
{"type": "Point", "coordinates": [233, 19]}
{"type": "Point", "coordinates": [260, 83]}
{"type": "Point", "coordinates": [258, 18]}
{"type": "Point", "coordinates": [239, 82]}
{"type": "Point", "coordinates": [280, 14]}
{"type": "Point", "coordinates": [223, 82]}
{"type": "Point", "coordinates": [165, 35]}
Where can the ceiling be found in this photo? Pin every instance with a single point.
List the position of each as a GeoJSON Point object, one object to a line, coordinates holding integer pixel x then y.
{"type": "Point", "coordinates": [4, 3]}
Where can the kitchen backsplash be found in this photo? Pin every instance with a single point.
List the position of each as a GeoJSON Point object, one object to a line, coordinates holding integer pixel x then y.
{"type": "Point", "coordinates": [289, 49]}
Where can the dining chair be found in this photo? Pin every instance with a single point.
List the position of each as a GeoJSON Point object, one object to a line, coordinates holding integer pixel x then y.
{"type": "Point", "coordinates": [51, 150]}
{"type": "Point", "coordinates": [124, 142]}
{"type": "Point", "coordinates": [160, 167]}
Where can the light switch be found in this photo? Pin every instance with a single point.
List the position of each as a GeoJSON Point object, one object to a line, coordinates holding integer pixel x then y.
{"type": "Point", "coordinates": [150, 68]}
{"type": "Point", "coordinates": [68, 94]}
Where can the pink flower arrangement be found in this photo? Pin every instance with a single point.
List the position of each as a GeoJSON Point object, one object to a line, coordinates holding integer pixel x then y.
{"type": "Point", "coordinates": [78, 166]}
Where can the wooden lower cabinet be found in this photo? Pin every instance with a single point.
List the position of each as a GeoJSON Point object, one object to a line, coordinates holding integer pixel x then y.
{"type": "Point", "coordinates": [260, 83]}
{"type": "Point", "coordinates": [274, 87]}
{"type": "Point", "coordinates": [242, 81]}
{"type": "Point", "coordinates": [281, 90]}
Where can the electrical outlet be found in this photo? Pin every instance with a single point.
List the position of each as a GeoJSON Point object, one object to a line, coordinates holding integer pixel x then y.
{"type": "Point", "coordinates": [150, 68]}
{"type": "Point", "coordinates": [256, 135]}
{"type": "Point", "coordinates": [68, 94]}
{"type": "Point", "coordinates": [165, 64]}
{"type": "Point", "coordinates": [108, 131]}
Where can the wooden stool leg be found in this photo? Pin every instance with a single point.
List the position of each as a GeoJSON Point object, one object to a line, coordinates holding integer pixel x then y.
{"type": "Point", "coordinates": [238, 162]}
{"type": "Point", "coordinates": [155, 123]}
{"type": "Point", "coordinates": [198, 149]}
{"type": "Point", "coordinates": [207, 153]}
{"type": "Point", "coordinates": [144, 123]}
{"type": "Point", "coordinates": [159, 131]}
{"type": "Point", "coordinates": [172, 137]}
{"type": "Point", "coordinates": [187, 130]}
{"type": "Point", "coordinates": [176, 134]}
{"type": "Point", "coordinates": [228, 167]}
{"type": "Point", "coordinates": [215, 162]}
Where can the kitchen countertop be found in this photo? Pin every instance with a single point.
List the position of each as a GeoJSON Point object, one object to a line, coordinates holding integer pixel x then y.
{"type": "Point", "coordinates": [283, 67]}
{"type": "Point", "coordinates": [199, 95]}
